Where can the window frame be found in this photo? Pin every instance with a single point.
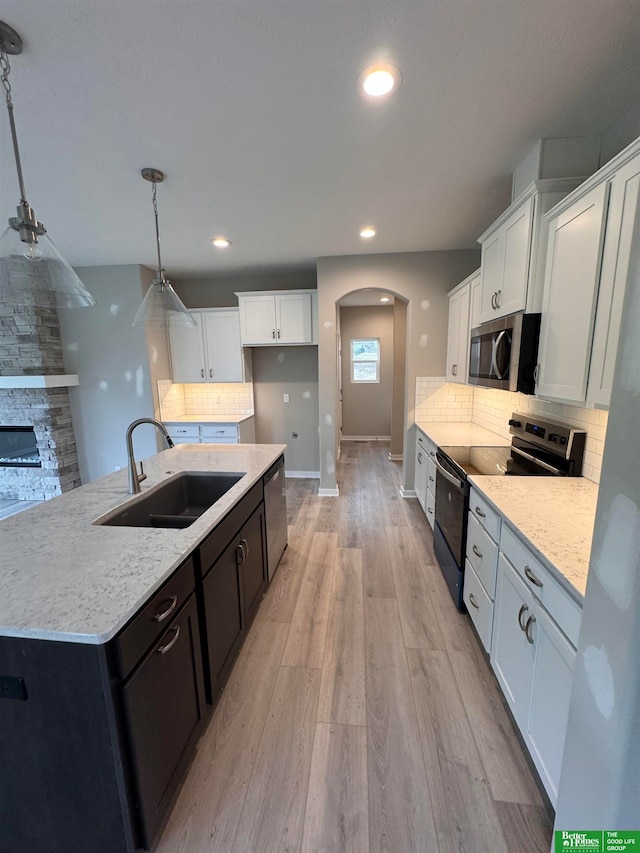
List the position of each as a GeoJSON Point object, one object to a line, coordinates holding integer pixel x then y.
{"type": "Point", "coordinates": [373, 360]}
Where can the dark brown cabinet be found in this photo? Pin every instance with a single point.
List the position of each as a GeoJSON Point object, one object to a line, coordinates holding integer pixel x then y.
{"type": "Point", "coordinates": [164, 706]}
{"type": "Point", "coordinates": [253, 563]}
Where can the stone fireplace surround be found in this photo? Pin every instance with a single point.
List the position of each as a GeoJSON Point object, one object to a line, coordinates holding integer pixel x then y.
{"type": "Point", "coordinates": [30, 345]}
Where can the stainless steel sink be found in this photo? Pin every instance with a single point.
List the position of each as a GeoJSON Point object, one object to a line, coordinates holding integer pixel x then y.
{"type": "Point", "coordinates": [177, 502]}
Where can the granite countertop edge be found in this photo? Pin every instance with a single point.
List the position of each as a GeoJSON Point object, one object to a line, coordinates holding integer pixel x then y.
{"type": "Point", "coordinates": [32, 569]}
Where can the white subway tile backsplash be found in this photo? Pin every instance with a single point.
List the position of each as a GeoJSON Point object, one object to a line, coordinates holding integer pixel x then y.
{"type": "Point", "coordinates": [437, 400]}
{"type": "Point", "coordinates": [227, 398]}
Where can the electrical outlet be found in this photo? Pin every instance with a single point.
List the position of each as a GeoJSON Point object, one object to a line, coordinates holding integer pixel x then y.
{"type": "Point", "coordinates": [285, 398]}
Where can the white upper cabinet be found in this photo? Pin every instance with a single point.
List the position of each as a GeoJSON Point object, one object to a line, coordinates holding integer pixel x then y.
{"type": "Point", "coordinates": [513, 251]}
{"type": "Point", "coordinates": [276, 317]}
{"type": "Point", "coordinates": [211, 351]}
{"type": "Point", "coordinates": [623, 202]}
{"type": "Point", "coordinates": [475, 300]}
{"type": "Point", "coordinates": [458, 335]}
{"type": "Point", "coordinates": [590, 235]}
{"type": "Point", "coordinates": [571, 290]}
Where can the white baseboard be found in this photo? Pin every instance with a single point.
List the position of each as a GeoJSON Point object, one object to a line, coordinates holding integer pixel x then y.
{"type": "Point", "coordinates": [395, 457]}
{"type": "Point", "coordinates": [302, 475]}
{"type": "Point", "coordinates": [407, 493]}
{"type": "Point", "coordinates": [366, 438]}
{"type": "Point", "coordinates": [328, 493]}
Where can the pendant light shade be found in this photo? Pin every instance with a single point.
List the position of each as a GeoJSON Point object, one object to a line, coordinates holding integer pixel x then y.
{"type": "Point", "coordinates": [32, 270]}
{"type": "Point", "coordinates": [161, 306]}
{"type": "Point", "coordinates": [37, 274]}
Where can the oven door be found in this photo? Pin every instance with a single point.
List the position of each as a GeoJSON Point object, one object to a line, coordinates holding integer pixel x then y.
{"type": "Point", "coordinates": [452, 503]}
{"type": "Point", "coordinates": [529, 461]}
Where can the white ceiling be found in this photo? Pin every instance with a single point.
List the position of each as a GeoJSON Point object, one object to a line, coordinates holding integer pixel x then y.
{"type": "Point", "coordinates": [252, 111]}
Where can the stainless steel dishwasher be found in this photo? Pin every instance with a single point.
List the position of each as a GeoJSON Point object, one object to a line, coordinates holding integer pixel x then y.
{"type": "Point", "coordinates": [275, 504]}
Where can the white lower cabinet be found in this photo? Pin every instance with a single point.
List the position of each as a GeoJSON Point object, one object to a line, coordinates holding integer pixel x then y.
{"type": "Point", "coordinates": [533, 661]}
{"type": "Point", "coordinates": [421, 469]}
{"type": "Point", "coordinates": [483, 535]}
{"type": "Point", "coordinates": [431, 508]}
{"type": "Point", "coordinates": [479, 605]}
{"type": "Point", "coordinates": [425, 475]}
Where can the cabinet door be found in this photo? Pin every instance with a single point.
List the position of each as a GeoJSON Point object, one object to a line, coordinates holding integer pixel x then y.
{"type": "Point", "coordinates": [253, 562]}
{"type": "Point", "coordinates": [453, 337]}
{"type": "Point", "coordinates": [550, 696]}
{"type": "Point", "coordinates": [421, 468]}
{"type": "Point", "coordinates": [570, 293]}
{"type": "Point", "coordinates": [222, 341]}
{"type": "Point", "coordinates": [492, 274]}
{"type": "Point", "coordinates": [257, 319]}
{"type": "Point", "coordinates": [293, 316]}
{"type": "Point", "coordinates": [475, 301]}
{"type": "Point", "coordinates": [462, 360]}
{"type": "Point", "coordinates": [512, 653]}
{"type": "Point", "coordinates": [512, 295]}
{"type": "Point", "coordinates": [621, 218]}
{"type": "Point", "coordinates": [188, 360]}
{"type": "Point", "coordinates": [223, 615]}
{"type": "Point", "coordinates": [164, 706]}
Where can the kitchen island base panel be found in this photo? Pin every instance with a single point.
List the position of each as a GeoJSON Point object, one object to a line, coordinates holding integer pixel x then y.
{"type": "Point", "coordinates": [64, 731]}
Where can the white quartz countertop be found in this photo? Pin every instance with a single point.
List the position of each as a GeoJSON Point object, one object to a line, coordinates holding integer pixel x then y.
{"type": "Point", "coordinates": [461, 434]}
{"type": "Point", "coordinates": [207, 419]}
{"type": "Point", "coordinates": [555, 515]}
{"type": "Point", "coordinates": [64, 578]}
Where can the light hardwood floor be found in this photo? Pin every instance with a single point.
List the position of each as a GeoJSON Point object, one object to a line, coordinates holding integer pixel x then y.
{"type": "Point", "coordinates": [361, 714]}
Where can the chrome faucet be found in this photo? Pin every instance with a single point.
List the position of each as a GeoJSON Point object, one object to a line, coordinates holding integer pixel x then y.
{"type": "Point", "coordinates": [134, 478]}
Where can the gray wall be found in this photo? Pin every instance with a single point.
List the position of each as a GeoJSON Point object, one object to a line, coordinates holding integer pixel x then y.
{"type": "Point", "coordinates": [366, 408]}
{"type": "Point", "coordinates": [620, 134]}
{"type": "Point", "coordinates": [293, 371]}
{"type": "Point", "coordinates": [112, 361]}
{"type": "Point", "coordinates": [422, 279]}
{"type": "Point", "coordinates": [219, 291]}
{"type": "Point", "coordinates": [399, 366]}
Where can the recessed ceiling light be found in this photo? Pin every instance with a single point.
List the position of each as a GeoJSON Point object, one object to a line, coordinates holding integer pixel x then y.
{"type": "Point", "coordinates": [368, 233]}
{"type": "Point", "coordinates": [221, 242]}
{"type": "Point", "coordinates": [379, 80]}
{"type": "Point", "coordinates": [384, 299]}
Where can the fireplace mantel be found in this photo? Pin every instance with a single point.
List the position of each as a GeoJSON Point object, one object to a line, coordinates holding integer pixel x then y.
{"type": "Point", "coordinates": [56, 380]}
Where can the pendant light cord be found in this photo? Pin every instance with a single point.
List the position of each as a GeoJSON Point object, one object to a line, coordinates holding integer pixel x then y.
{"type": "Point", "coordinates": [5, 70]}
{"type": "Point", "coordinates": [161, 273]}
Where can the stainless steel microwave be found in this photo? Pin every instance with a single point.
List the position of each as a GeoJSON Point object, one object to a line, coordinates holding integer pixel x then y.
{"type": "Point", "coordinates": [503, 353]}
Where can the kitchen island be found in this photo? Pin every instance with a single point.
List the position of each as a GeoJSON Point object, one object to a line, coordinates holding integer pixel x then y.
{"type": "Point", "coordinates": [114, 645]}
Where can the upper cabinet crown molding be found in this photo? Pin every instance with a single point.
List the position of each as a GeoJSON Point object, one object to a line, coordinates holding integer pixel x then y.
{"type": "Point", "coordinates": [278, 317]}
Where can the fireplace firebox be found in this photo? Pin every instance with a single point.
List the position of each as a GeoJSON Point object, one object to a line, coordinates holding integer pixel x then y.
{"type": "Point", "coordinates": [18, 447]}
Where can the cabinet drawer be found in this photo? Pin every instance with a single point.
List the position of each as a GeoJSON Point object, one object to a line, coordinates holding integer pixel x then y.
{"type": "Point", "coordinates": [431, 475]}
{"type": "Point", "coordinates": [430, 508]}
{"type": "Point", "coordinates": [147, 625]}
{"type": "Point", "coordinates": [485, 514]}
{"type": "Point", "coordinates": [219, 441]}
{"type": "Point", "coordinates": [179, 433]}
{"type": "Point", "coordinates": [219, 538]}
{"type": "Point", "coordinates": [479, 605]}
{"type": "Point", "coordinates": [219, 431]}
{"type": "Point", "coordinates": [482, 553]}
{"type": "Point", "coordinates": [566, 612]}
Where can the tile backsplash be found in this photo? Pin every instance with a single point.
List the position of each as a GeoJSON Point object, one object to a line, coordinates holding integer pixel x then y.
{"type": "Point", "coordinates": [207, 398]}
{"type": "Point", "coordinates": [437, 400]}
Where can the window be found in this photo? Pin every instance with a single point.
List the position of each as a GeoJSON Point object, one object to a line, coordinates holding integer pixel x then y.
{"type": "Point", "coordinates": [365, 359]}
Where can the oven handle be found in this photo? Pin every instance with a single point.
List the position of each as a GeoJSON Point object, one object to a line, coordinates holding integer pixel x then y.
{"type": "Point", "coordinates": [494, 353]}
{"type": "Point", "coordinates": [539, 462]}
{"type": "Point", "coordinates": [453, 480]}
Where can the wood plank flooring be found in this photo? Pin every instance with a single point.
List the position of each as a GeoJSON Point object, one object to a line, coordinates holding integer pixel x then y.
{"type": "Point", "coordinates": [361, 715]}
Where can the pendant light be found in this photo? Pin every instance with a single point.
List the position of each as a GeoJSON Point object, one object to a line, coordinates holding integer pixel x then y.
{"type": "Point", "coordinates": [161, 306]}
{"type": "Point", "coordinates": [32, 270]}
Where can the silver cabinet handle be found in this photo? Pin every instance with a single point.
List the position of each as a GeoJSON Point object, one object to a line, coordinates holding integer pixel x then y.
{"type": "Point", "coordinates": [454, 369]}
{"type": "Point", "coordinates": [419, 439]}
{"type": "Point", "coordinates": [498, 298]}
{"type": "Point", "coordinates": [432, 454]}
{"type": "Point", "coordinates": [493, 299]}
{"type": "Point", "coordinates": [473, 601]}
{"type": "Point", "coordinates": [480, 513]}
{"type": "Point", "coordinates": [536, 373]}
{"type": "Point", "coordinates": [432, 479]}
{"type": "Point", "coordinates": [210, 373]}
{"type": "Point", "coordinates": [278, 332]}
{"type": "Point", "coordinates": [160, 617]}
{"type": "Point", "coordinates": [476, 552]}
{"type": "Point", "coordinates": [521, 613]}
{"type": "Point", "coordinates": [273, 334]}
{"type": "Point", "coordinates": [530, 621]}
{"type": "Point", "coordinates": [419, 458]}
{"type": "Point", "coordinates": [162, 650]}
{"type": "Point", "coordinates": [430, 511]}
{"type": "Point", "coordinates": [530, 575]}
{"type": "Point", "coordinates": [245, 548]}
{"type": "Point", "coordinates": [202, 372]}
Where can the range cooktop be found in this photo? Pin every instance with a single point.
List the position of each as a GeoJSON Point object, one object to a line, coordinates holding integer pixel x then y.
{"type": "Point", "coordinates": [479, 460]}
